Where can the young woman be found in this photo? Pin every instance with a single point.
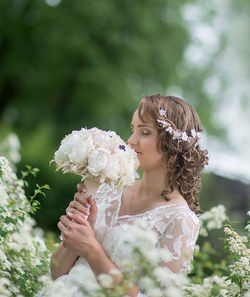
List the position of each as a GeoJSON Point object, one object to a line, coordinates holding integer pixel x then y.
{"type": "Point", "coordinates": [165, 136]}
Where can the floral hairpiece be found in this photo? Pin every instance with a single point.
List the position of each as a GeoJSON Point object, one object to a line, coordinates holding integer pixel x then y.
{"type": "Point", "coordinates": [176, 133]}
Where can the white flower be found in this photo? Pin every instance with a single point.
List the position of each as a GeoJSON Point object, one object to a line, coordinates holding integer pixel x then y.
{"type": "Point", "coordinates": [155, 292]}
{"type": "Point", "coordinates": [174, 292]}
{"type": "Point", "coordinates": [115, 272]}
{"type": "Point", "coordinates": [198, 134]}
{"type": "Point", "coordinates": [165, 255]}
{"type": "Point", "coordinates": [146, 283]}
{"type": "Point", "coordinates": [106, 280]}
{"type": "Point", "coordinates": [141, 223]}
{"type": "Point", "coordinates": [163, 123]}
{"type": "Point", "coordinates": [184, 136]}
{"type": "Point", "coordinates": [233, 290]}
{"type": "Point", "coordinates": [176, 135]}
{"type": "Point", "coordinates": [56, 289]}
{"type": "Point", "coordinates": [196, 248]}
{"type": "Point", "coordinates": [193, 133]}
{"type": "Point", "coordinates": [98, 160]}
{"type": "Point", "coordinates": [163, 112]}
{"type": "Point", "coordinates": [203, 232]}
{"type": "Point", "coordinates": [247, 294]}
{"type": "Point", "coordinates": [212, 219]}
{"type": "Point", "coordinates": [161, 274]}
{"type": "Point", "coordinates": [169, 130]}
{"type": "Point", "coordinates": [4, 282]}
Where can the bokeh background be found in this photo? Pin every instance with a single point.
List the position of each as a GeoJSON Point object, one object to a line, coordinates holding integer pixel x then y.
{"type": "Point", "coordinates": [71, 64]}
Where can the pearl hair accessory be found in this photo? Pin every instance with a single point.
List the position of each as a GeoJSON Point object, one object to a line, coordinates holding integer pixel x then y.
{"type": "Point", "coordinates": [176, 133]}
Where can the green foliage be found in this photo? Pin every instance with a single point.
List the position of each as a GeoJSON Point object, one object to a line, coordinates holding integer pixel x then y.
{"type": "Point", "coordinates": [87, 63]}
{"type": "Point", "coordinates": [24, 254]}
{"type": "Point", "coordinates": [207, 262]}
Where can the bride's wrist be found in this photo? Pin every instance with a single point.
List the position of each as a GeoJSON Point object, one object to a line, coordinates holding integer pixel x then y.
{"type": "Point", "coordinates": [95, 253]}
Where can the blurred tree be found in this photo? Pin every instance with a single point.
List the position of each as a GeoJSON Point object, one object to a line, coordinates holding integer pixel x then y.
{"type": "Point", "coordinates": [86, 63]}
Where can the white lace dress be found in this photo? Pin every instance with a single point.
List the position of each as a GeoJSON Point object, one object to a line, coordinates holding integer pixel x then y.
{"type": "Point", "coordinates": [176, 225]}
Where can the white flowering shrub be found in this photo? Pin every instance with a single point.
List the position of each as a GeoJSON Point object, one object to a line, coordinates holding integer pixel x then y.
{"type": "Point", "coordinates": [9, 148]}
{"type": "Point", "coordinates": [144, 263]}
{"type": "Point", "coordinates": [212, 219]}
{"type": "Point", "coordinates": [23, 253]}
{"type": "Point", "coordinates": [232, 277]}
{"type": "Point", "coordinates": [24, 256]}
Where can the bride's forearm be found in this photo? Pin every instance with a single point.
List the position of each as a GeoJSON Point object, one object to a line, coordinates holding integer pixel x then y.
{"type": "Point", "coordinates": [100, 263]}
{"type": "Point", "coordinates": [61, 261]}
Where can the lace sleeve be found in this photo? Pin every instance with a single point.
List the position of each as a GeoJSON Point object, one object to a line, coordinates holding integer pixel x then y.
{"type": "Point", "coordinates": [179, 239]}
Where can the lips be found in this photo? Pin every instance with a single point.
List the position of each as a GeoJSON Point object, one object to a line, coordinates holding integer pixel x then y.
{"type": "Point", "coordinates": [138, 152]}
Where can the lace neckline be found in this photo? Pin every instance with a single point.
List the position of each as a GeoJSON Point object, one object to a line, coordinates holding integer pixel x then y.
{"type": "Point", "coordinates": [147, 211]}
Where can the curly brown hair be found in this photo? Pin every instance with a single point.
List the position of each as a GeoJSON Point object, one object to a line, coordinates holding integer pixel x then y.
{"type": "Point", "coordinates": [184, 160]}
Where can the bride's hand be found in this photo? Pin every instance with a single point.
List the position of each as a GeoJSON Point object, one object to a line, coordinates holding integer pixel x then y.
{"type": "Point", "coordinates": [84, 205]}
{"type": "Point", "coordinates": [77, 235]}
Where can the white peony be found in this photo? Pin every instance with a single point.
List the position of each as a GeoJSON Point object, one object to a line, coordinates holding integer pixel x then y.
{"type": "Point", "coordinates": [98, 160]}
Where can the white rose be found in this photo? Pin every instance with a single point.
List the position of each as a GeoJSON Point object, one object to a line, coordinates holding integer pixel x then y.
{"type": "Point", "coordinates": [98, 160]}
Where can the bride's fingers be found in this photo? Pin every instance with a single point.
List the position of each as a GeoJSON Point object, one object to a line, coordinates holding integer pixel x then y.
{"type": "Point", "coordinates": [81, 197]}
{"type": "Point", "coordinates": [93, 206]}
{"type": "Point", "coordinates": [77, 205]}
{"type": "Point", "coordinates": [78, 219]}
{"type": "Point", "coordinates": [63, 223]}
{"type": "Point", "coordinates": [71, 210]}
{"type": "Point", "coordinates": [81, 188]}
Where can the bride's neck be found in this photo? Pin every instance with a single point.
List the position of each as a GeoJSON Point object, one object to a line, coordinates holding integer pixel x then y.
{"type": "Point", "coordinates": [152, 184]}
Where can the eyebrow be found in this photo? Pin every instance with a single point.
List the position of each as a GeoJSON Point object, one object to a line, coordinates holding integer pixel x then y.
{"type": "Point", "coordinates": [142, 125]}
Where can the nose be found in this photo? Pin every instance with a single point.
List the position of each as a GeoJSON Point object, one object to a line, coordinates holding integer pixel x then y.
{"type": "Point", "coordinates": [133, 140]}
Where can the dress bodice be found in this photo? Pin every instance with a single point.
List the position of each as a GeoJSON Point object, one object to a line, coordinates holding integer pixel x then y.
{"type": "Point", "coordinates": [176, 225]}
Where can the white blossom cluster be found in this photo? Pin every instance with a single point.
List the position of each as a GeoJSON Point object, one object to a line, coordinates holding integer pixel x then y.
{"type": "Point", "coordinates": [22, 247]}
{"type": "Point", "coordinates": [212, 219]}
{"type": "Point", "coordinates": [9, 148]}
{"type": "Point", "coordinates": [53, 289]}
{"type": "Point", "coordinates": [144, 254]}
{"type": "Point", "coordinates": [99, 155]}
{"type": "Point", "coordinates": [205, 289]}
{"type": "Point", "coordinates": [237, 243]}
{"type": "Point", "coordinates": [240, 268]}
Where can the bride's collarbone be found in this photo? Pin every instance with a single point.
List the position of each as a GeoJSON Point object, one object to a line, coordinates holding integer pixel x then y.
{"type": "Point", "coordinates": [132, 205]}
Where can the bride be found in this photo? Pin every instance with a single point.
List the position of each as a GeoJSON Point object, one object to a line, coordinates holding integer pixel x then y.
{"type": "Point", "coordinates": [165, 136]}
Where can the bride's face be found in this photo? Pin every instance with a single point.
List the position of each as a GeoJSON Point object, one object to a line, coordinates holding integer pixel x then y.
{"type": "Point", "coordinates": [144, 141]}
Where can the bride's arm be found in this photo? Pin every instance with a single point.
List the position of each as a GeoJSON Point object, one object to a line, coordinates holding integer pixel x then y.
{"type": "Point", "coordinates": [78, 237]}
{"type": "Point", "coordinates": [100, 263]}
{"type": "Point", "coordinates": [61, 261]}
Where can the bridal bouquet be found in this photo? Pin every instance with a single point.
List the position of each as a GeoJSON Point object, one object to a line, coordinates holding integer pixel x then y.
{"type": "Point", "coordinates": [99, 156]}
